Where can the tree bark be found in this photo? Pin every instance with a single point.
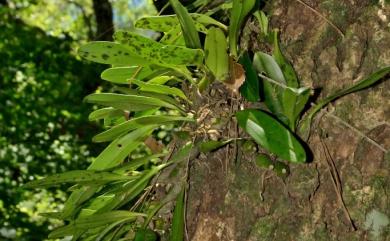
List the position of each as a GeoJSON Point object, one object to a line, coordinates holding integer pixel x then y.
{"type": "Point", "coordinates": [104, 20]}
{"type": "Point", "coordinates": [331, 44]}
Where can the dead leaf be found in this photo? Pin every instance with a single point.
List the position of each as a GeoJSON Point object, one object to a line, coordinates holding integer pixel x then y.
{"type": "Point", "coordinates": [154, 145]}
{"type": "Point", "coordinates": [236, 75]}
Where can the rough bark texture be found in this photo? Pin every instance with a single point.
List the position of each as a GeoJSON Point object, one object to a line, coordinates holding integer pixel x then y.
{"type": "Point", "coordinates": [231, 199]}
{"type": "Point", "coordinates": [104, 20]}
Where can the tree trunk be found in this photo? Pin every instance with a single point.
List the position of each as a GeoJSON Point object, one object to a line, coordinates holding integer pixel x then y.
{"type": "Point", "coordinates": [343, 194]}
{"type": "Point", "coordinates": [104, 20]}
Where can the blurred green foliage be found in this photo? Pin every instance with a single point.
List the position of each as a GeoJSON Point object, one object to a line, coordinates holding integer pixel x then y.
{"type": "Point", "coordinates": [43, 122]}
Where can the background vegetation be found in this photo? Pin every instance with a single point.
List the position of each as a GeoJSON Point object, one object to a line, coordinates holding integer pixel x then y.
{"type": "Point", "coordinates": [44, 127]}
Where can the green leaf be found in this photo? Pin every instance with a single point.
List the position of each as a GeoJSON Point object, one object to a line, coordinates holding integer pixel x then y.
{"type": "Point", "coordinates": [294, 101]}
{"type": "Point", "coordinates": [239, 11]}
{"type": "Point", "coordinates": [110, 53]}
{"type": "Point", "coordinates": [207, 20]}
{"type": "Point", "coordinates": [271, 135]}
{"type": "Point", "coordinates": [212, 145]}
{"type": "Point", "coordinates": [160, 89]}
{"type": "Point", "coordinates": [165, 98]}
{"type": "Point", "coordinates": [287, 70]}
{"type": "Point", "coordinates": [304, 128]}
{"type": "Point", "coordinates": [137, 123]}
{"type": "Point", "coordinates": [250, 90]}
{"type": "Point", "coordinates": [120, 148]}
{"type": "Point", "coordinates": [132, 165]}
{"type": "Point", "coordinates": [273, 94]}
{"type": "Point", "coordinates": [164, 23]}
{"type": "Point", "coordinates": [105, 234]}
{"type": "Point", "coordinates": [103, 113]}
{"type": "Point", "coordinates": [263, 21]}
{"type": "Point", "coordinates": [168, 22]}
{"type": "Point", "coordinates": [93, 221]}
{"type": "Point", "coordinates": [77, 198]}
{"type": "Point", "coordinates": [95, 204]}
{"type": "Point", "coordinates": [78, 176]}
{"type": "Point", "coordinates": [145, 235]}
{"type": "Point", "coordinates": [122, 75]}
{"type": "Point", "coordinates": [131, 190]}
{"type": "Point", "coordinates": [177, 233]}
{"type": "Point", "coordinates": [127, 102]}
{"type": "Point", "coordinates": [174, 37]}
{"type": "Point", "coordinates": [188, 28]}
{"type": "Point", "coordinates": [158, 53]}
{"type": "Point", "coordinates": [217, 58]}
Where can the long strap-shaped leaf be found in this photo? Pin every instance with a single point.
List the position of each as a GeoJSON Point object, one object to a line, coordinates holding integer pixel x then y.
{"type": "Point", "coordinates": [137, 123]}
{"type": "Point", "coordinates": [93, 221]}
{"type": "Point", "coordinates": [177, 233]}
{"type": "Point", "coordinates": [77, 176]}
{"type": "Point", "coordinates": [161, 89]}
{"type": "Point", "coordinates": [116, 152]}
{"type": "Point", "coordinates": [188, 28]}
{"type": "Point", "coordinates": [127, 102]}
{"type": "Point", "coordinates": [304, 128]}
{"type": "Point", "coordinates": [167, 22]}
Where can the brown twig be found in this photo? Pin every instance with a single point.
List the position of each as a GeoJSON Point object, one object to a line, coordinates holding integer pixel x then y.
{"type": "Point", "coordinates": [358, 132]}
{"type": "Point", "coordinates": [323, 17]}
{"type": "Point", "coordinates": [337, 182]}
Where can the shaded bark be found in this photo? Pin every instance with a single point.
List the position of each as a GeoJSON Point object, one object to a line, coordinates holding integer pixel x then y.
{"type": "Point", "coordinates": [104, 20]}
{"type": "Point", "coordinates": [234, 200]}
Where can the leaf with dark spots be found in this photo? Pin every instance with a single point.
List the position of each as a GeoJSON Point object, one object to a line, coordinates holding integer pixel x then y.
{"type": "Point", "coordinates": [155, 52]}
{"type": "Point", "coordinates": [103, 52]}
{"type": "Point", "coordinates": [105, 56]}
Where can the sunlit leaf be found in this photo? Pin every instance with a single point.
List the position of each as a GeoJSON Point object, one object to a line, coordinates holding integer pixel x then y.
{"type": "Point", "coordinates": [158, 53]}
{"type": "Point", "coordinates": [273, 94]}
{"type": "Point", "coordinates": [166, 23]}
{"type": "Point", "coordinates": [163, 97]}
{"type": "Point", "coordinates": [127, 102]}
{"type": "Point", "coordinates": [77, 176]}
{"type": "Point", "coordinates": [217, 58]}
{"type": "Point", "coordinates": [120, 148]}
{"type": "Point", "coordinates": [77, 198]}
{"type": "Point", "coordinates": [93, 221]}
{"type": "Point", "coordinates": [137, 123]}
{"type": "Point", "coordinates": [111, 53]}
{"type": "Point", "coordinates": [161, 89]}
{"type": "Point", "coordinates": [122, 75]}
{"type": "Point", "coordinates": [103, 113]}
{"type": "Point", "coordinates": [131, 190]}
{"type": "Point", "coordinates": [271, 135]}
